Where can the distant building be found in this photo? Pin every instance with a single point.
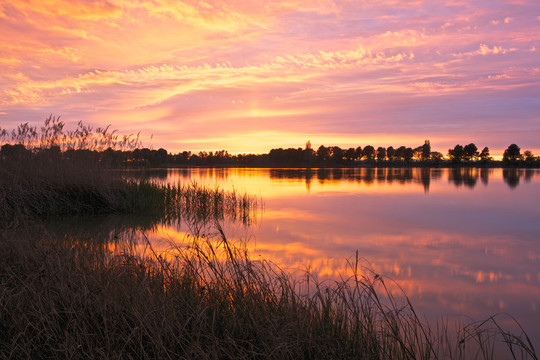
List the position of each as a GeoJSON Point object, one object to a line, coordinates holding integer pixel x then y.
{"type": "Point", "coordinates": [308, 145]}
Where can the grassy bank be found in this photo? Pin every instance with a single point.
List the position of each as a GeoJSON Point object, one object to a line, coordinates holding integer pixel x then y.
{"type": "Point", "coordinates": [43, 185]}
{"type": "Point", "coordinates": [65, 298]}
{"type": "Point", "coordinates": [51, 173]}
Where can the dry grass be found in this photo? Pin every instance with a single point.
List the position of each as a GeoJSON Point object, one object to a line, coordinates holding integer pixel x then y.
{"type": "Point", "coordinates": [42, 187]}
{"type": "Point", "coordinates": [70, 298]}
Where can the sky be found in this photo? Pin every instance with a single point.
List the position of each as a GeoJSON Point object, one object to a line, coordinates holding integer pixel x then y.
{"type": "Point", "coordinates": [249, 76]}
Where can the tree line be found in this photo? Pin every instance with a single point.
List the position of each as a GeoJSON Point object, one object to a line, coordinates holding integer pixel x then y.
{"type": "Point", "coordinates": [105, 146]}
{"type": "Point", "coordinates": [297, 157]}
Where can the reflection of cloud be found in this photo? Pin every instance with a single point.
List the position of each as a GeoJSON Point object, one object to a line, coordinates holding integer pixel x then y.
{"type": "Point", "coordinates": [453, 251]}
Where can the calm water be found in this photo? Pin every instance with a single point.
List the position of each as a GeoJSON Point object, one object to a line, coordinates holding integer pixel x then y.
{"type": "Point", "coordinates": [460, 243]}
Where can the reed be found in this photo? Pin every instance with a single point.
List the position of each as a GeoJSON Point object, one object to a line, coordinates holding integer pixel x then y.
{"type": "Point", "coordinates": [50, 172]}
{"type": "Point", "coordinates": [81, 299]}
{"type": "Point", "coordinates": [21, 203]}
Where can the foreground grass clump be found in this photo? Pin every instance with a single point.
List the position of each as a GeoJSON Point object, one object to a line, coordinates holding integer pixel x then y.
{"type": "Point", "coordinates": [71, 298]}
{"type": "Point", "coordinates": [46, 188]}
{"type": "Point", "coordinates": [51, 174]}
{"type": "Point", "coordinates": [19, 203]}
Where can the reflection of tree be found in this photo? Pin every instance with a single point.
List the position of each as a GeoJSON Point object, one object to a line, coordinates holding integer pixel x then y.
{"type": "Point", "coordinates": [529, 174]}
{"type": "Point", "coordinates": [484, 175]}
{"type": "Point", "coordinates": [422, 176]}
{"type": "Point", "coordinates": [381, 175]}
{"type": "Point", "coordinates": [160, 174]}
{"type": "Point", "coordinates": [511, 177]}
{"type": "Point", "coordinates": [369, 175]}
{"type": "Point", "coordinates": [425, 177]}
{"type": "Point", "coordinates": [463, 176]}
{"type": "Point", "coordinates": [323, 174]}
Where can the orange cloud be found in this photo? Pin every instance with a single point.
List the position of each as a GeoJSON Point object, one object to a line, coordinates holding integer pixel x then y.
{"type": "Point", "coordinates": [316, 63]}
{"type": "Point", "coordinates": [76, 9]}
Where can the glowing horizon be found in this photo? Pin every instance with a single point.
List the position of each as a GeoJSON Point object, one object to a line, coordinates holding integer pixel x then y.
{"type": "Point", "coordinates": [248, 77]}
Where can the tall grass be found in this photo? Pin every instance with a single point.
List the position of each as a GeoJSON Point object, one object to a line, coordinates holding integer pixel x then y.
{"type": "Point", "coordinates": [165, 203]}
{"type": "Point", "coordinates": [41, 177]}
{"type": "Point", "coordinates": [52, 134]}
{"type": "Point", "coordinates": [68, 298]}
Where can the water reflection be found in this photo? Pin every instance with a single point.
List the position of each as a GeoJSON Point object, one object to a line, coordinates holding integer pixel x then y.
{"type": "Point", "coordinates": [468, 177]}
{"type": "Point", "coordinates": [361, 175]}
{"type": "Point", "coordinates": [461, 241]}
{"type": "Point", "coordinates": [513, 176]}
{"type": "Point", "coordinates": [458, 241]}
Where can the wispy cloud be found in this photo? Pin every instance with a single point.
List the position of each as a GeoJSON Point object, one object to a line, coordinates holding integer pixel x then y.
{"type": "Point", "coordinates": [332, 67]}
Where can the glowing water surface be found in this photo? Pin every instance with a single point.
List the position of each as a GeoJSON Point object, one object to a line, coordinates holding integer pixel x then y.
{"type": "Point", "coordinates": [459, 242]}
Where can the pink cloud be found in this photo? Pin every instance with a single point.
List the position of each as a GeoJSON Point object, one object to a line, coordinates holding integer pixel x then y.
{"type": "Point", "coordinates": [301, 67]}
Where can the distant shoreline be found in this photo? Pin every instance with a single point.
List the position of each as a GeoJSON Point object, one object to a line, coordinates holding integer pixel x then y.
{"type": "Point", "coordinates": [445, 165]}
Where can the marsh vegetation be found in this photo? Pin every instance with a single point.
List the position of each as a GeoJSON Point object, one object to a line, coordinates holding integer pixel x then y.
{"type": "Point", "coordinates": [64, 296]}
{"type": "Point", "coordinates": [84, 299]}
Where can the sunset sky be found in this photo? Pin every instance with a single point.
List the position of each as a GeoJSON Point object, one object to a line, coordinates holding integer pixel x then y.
{"type": "Point", "coordinates": [248, 76]}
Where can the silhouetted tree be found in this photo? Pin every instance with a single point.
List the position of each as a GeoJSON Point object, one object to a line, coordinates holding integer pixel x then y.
{"type": "Point", "coordinates": [484, 155]}
{"type": "Point", "coordinates": [512, 154]}
{"type": "Point", "coordinates": [409, 153]}
{"type": "Point", "coordinates": [456, 154]}
{"type": "Point", "coordinates": [288, 156]}
{"type": "Point", "coordinates": [426, 150]}
{"type": "Point", "coordinates": [50, 153]}
{"type": "Point", "coordinates": [470, 152]}
{"type": "Point", "coordinates": [391, 153]}
{"type": "Point", "coordinates": [381, 153]}
{"type": "Point", "coordinates": [529, 157]}
{"type": "Point", "coordinates": [437, 156]}
{"type": "Point", "coordinates": [336, 154]}
{"type": "Point", "coordinates": [400, 152]}
{"type": "Point", "coordinates": [160, 157]}
{"type": "Point", "coordinates": [358, 153]}
{"type": "Point", "coordinates": [350, 155]}
{"type": "Point", "coordinates": [323, 153]}
{"type": "Point", "coordinates": [309, 155]}
{"type": "Point", "coordinates": [369, 152]}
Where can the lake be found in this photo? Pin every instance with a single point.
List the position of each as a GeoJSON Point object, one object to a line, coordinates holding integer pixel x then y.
{"type": "Point", "coordinates": [461, 243]}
